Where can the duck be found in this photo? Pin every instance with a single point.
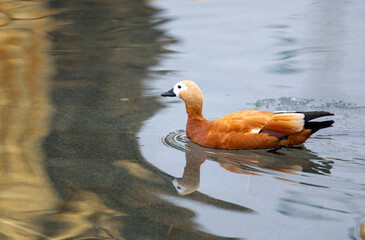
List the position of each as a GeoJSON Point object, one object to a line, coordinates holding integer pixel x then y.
{"type": "Point", "coordinates": [246, 129]}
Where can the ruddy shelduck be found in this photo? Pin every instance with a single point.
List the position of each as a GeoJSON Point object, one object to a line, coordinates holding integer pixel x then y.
{"type": "Point", "coordinates": [250, 129]}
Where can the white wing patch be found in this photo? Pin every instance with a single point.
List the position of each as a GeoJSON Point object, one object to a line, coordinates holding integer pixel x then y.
{"type": "Point", "coordinates": [256, 130]}
{"type": "Point", "coordinates": [280, 112]}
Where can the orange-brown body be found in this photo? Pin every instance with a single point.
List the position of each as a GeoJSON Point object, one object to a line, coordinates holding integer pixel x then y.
{"type": "Point", "coordinates": [249, 129]}
{"type": "Point", "coordinates": [229, 133]}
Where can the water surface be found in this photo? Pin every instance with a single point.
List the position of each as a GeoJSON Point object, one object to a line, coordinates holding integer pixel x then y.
{"type": "Point", "coordinates": [292, 56]}
{"type": "Point", "coordinates": [89, 150]}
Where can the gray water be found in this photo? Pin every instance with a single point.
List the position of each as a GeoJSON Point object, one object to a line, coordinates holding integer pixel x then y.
{"type": "Point", "coordinates": [89, 149]}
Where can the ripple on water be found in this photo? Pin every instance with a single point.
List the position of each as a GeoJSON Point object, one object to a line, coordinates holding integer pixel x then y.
{"type": "Point", "coordinates": [291, 103]}
{"type": "Point", "coordinates": [347, 115]}
{"type": "Point", "coordinates": [177, 140]}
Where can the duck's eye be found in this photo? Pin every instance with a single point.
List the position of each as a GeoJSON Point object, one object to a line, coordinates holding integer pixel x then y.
{"type": "Point", "coordinates": [178, 86]}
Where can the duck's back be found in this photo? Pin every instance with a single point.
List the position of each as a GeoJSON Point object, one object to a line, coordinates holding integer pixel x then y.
{"type": "Point", "coordinates": [242, 121]}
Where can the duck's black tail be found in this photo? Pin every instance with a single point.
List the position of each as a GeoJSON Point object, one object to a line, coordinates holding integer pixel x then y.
{"type": "Point", "coordinates": [315, 126]}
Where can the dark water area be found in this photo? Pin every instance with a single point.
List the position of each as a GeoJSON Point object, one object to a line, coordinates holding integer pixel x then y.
{"type": "Point", "coordinates": [71, 87]}
{"type": "Point", "coordinates": [90, 151]}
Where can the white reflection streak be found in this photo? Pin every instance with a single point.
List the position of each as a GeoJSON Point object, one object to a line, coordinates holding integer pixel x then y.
{"type": "Point", "coordinates": [248, 183]}
{"type": "Point", "coordinates": [25, 229]}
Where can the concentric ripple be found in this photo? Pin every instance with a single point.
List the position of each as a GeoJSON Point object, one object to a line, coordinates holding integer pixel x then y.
{"type": "Point", "coordinates": [177, 140]}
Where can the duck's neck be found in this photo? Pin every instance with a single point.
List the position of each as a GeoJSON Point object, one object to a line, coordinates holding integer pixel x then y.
{"type": "Point", "coordinates": [196, 125]}
{"type": "Point", "coordinates": [194, 111]}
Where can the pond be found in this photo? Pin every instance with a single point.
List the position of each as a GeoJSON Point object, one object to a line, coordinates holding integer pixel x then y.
{"type": "Point", "coordinates": [90, 150]}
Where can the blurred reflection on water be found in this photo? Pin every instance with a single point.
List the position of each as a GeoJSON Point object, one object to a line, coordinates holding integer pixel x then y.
{"type": "Point", "coordinates": [26, 194]}
{"type": "Point", "coordinates": [71, 104]}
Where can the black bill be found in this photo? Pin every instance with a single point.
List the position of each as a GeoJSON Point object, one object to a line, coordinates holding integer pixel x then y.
{"type": "Point", "coordinates": [169, 93]}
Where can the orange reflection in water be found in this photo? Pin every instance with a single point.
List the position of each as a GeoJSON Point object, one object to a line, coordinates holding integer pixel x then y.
{"type": "Point", "coordinates": [25, 110]}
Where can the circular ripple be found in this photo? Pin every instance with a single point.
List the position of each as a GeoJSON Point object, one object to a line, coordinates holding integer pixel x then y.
{"type": "Point", "coordinates": [177, 140]}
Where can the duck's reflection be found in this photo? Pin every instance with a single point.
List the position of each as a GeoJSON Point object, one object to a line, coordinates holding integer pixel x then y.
{"type": "Point", "coordinates": [250, 162]}
{"type": "Point", "coordinates": [195, 156]}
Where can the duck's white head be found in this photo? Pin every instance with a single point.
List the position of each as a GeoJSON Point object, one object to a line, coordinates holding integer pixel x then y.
{"type": "Point", "coordinates": [189, 92]}
{"type": "Point", "coordinates": [175, 91]}
{"type": "Point", "coordinates": [184, 90]}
